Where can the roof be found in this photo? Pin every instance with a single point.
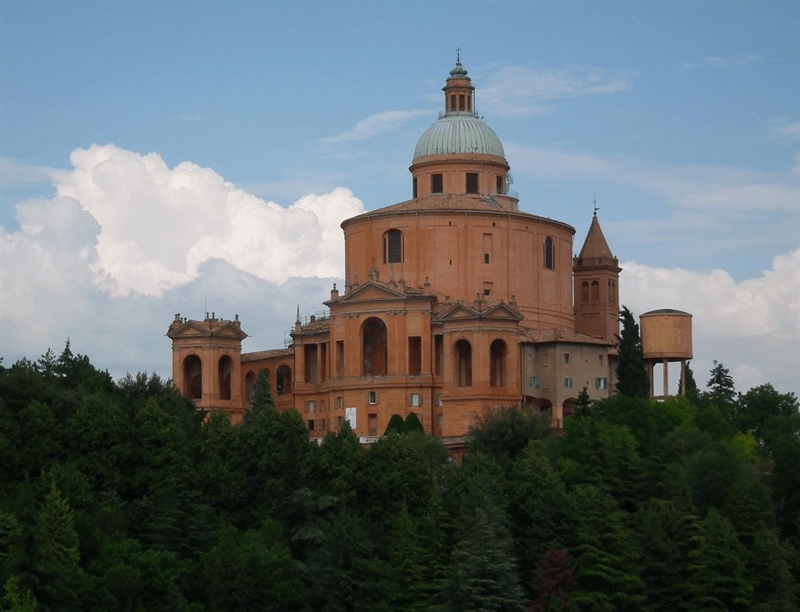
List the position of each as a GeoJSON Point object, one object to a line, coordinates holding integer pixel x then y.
{"type": "Point", "coordinates": [446, 202]}
{"type": "Point", "coordinates": [662, 311]}
{"type": "Point", "coordinates": [595, 245]}
{"type": "Point", "coordinates": [459, 133]}
{"type": "Point", "coordinates": [543, 336]}
{"type": "Point", "coordinates": [258, 355]}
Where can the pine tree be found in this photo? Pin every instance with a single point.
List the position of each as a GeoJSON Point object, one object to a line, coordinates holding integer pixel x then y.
{"type": "Point", "coordinates": [262, 398]}
{"type": "Point", "coordinates": [584, 403]}
{"type": "Point", "coordinates": [632, 379]}
{"type": "Point", "coordinates": [483, 573]}
{"type": "Point", "coordinates": [721, 382]}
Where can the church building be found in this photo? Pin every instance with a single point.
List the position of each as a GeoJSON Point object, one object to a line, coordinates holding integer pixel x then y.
{"type": "Point", "coordinates": [453, 301]}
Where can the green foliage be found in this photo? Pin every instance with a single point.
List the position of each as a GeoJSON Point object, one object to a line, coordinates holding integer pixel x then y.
{"type": "Point", "coordinates": [262, 397]}
{"type": "Point", "coordinates": [632, 379]}
{"type": "Point", "coordinates": [124, 497]}
{"type": "Point", "coordinates": [503, 432]}
{"type": "Point", "coordinates": [396, 425]}
{"type": "Point", "coordinates": [412, 424]}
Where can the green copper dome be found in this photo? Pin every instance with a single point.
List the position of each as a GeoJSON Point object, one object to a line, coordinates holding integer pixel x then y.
{"type": "Point", "coordinates": [456, 133]}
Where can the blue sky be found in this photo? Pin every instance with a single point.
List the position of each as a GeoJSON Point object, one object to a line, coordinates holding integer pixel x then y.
{"type": "Point", "coordinates": [682, 119]}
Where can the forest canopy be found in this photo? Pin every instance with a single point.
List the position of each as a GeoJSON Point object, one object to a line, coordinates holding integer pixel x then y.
{"type": "Point", "coordinates": [119, 495]}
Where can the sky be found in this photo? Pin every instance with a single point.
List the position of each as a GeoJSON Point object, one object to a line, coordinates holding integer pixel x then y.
{"type": "Point", "coordinates": [192, 157]}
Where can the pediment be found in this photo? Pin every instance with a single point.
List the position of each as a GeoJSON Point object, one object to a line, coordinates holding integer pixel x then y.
{"type": "Point", "coordinates": [372, 290]}
{"type": "Point", "coordinates": [497, 311]}
{"type": "Point", "coordinates": [501, 310]}
{"type": "Point", "coordinates": [201, 329]}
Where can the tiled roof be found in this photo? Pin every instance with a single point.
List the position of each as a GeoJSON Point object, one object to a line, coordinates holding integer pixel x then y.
{"type": "Point", "coordinates": [258, 355]}
{"type": "Point", "coordinates": [542, 336]}
{"type": "Point", "coordinates": [595, 245]}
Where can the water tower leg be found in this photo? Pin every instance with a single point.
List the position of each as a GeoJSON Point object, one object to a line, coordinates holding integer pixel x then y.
{"type": "Point", "coordinates": [666, 379]}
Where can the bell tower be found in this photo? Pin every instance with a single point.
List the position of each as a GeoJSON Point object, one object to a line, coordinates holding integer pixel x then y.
{"type": "Point", "coordinates": [595, 273]}
{"type": "Point", "coordinates": [206, 362]}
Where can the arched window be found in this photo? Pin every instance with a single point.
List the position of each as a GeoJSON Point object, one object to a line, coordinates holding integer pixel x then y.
{"type": "Point", "coordinates": [393, 246]}
{"type": "Point", "coordinates": [463, 363]}
{"type": "Point", "coordinates": [283, 380]}
{"type": "Point", "coordinates": [497, 363]}
{"type": "Point", "coordinates": [193, 377]}
{"type": "Point", "coordinates": [549, 255]}
{"type": "Point", "coordinates": [595, 291]}
{"type": "Point", "coordinates": [374, 349]}
{"type": "Point", "coordinates": [224, 376]}
{"type": "Point", "coordinates": [585, 291]}
{"type": "Point", "coordinates": [568, 407]}
{"type": "Point", "coordinates": [249, 386]}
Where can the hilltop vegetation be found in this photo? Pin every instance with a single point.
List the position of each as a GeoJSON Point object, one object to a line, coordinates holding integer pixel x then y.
{"type": "Point", "coordinates": [120, 496]}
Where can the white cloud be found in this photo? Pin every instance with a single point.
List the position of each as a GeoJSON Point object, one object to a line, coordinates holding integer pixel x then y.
{"type": "Point", "coordinates": [15, 173]}
{"type": "Point", "coordinates": [788, 129]}
{"type": "Point", "coordinates": [752, 326]}
{"type": "Point", "coordinates": [720, 62]}
{"type": "Point", "coordinates": [375, 125]}
{"type": "Point", "coordinates": [520, 91]}
{"type": "Point", "coordinates": [157, 224]}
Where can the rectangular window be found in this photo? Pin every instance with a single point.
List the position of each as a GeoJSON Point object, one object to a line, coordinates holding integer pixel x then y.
{"type": "Point", "coordinates": [487, 248]}
{"type": "Point", "coordinates": [486, 258]}
{"type": "Point", "coordinates": [393, 246]}
{"type": "Point", "coordinates": [414, 355]}
{"type": "Point", "coordinates": [534, 382]}
{"type": "Point", "coordinates": [452, 102]}
{"type": "Point", "coordinates": [439, 419]}
{"type": "Point", "coordinates": [600, 360]}
{"type": "Point", "coordinates": [340, 402]}
{"type": "Point", "coordinates": [499, 184]}
{"type": "Point", "coordinates": [601, 383]}
{"type": "Point", "coordinates": [372, 420]}
{"type": "Point", "coordinates": [472, 182]}
{"type": "Point", "coordinates": [372, 397]}
{"type": "Point", "coordinates": [311, 425]}
{"type": "Point", "coordinates": [462, 102]}
{"type": "Point", "coordinates": [437, 183]}
{"type": "Point", "coordinates": [339, 421]}
{"type": "Point", "coordinates": [567, 359]}
{"type": "Point", "coordinates": [487, 289]}
{"type": "Point", "coordinates": [416, 399]}
{"type": "Point", "coordinates": [439, 400]}
{"type": "Point", "coordinates": [414, 190]}
{"type": "Point", "coordinates": [568, 383]}
{"type": "Point", "coordinates": [310, 407]}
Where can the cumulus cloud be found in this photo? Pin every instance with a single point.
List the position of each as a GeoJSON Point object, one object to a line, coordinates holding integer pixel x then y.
{"type": "Point", "coordinates": [375, 125]}
{"type": "Point", "coordinates": [520, 91]}
{"type": "Point", "coordinates": [752, 326]}
{"type": "Point", "coordinates": [157, 224]}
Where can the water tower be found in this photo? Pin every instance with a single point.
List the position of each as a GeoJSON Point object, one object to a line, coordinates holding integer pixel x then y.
{"type": "Point", "coordinates": [666, 337]}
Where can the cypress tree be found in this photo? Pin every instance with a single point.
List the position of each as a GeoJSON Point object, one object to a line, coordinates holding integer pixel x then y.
{"type": "Point", "coordinates": [632, 379]}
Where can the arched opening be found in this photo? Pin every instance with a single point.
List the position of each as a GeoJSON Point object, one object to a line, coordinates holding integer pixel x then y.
{"type": "Point", "coordinates": [374, 349]}
{"type": "Point", "coordinates": [463, 362]}
{"type": "Point", "coordinates": [393, 246]}
{"type": "Point", "coordinates": [249, 386]}
{"type": "Point", "coordinates": [497, 363]}
{"type": "Point", "coordinates": [549, 255]}
{"type": "Point", "coordinates": [595, 291]}
{"type": "Point", "coordinates": [283, 380]}
{"type": "Point", "coordinates": [568, 407]}
{"type": "Point", "coordinates": [584, 291]}
{"type": "Point", "coordinates": [545, 405]}
{"type": "Point", "coordinates": [224, 376]}
{"type": "Point", "coordinates": [193, 377]}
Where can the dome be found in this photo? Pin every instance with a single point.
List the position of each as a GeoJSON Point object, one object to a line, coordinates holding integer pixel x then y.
{"type": "Point", "coordinates": [459, 133]}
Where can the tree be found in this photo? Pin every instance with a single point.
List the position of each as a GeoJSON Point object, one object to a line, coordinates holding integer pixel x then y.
{"type": "Point", "coordinates": [722, 393]}
{"type": "Point", "coordinates": [483, 573]}
{"type": "Point", "coordinates": [503, 432]}
{"type": "Point", "coordinates": [396, 425]}
{"type": "Point", "coordinates": [632, 379]}
{"type": "Point", "coordinates": [262, 397]}
{"type": "Point", "coordinates": [584, 403]}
